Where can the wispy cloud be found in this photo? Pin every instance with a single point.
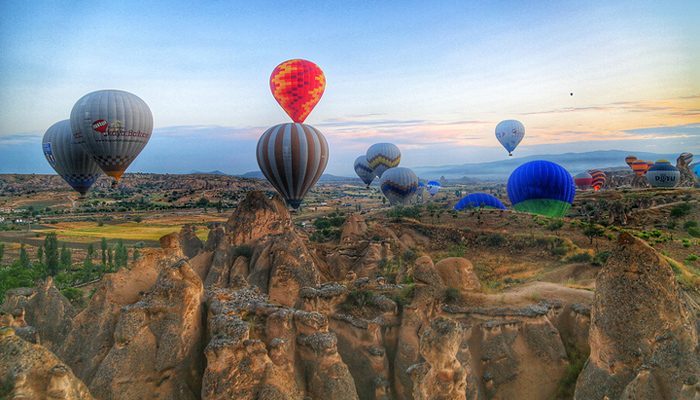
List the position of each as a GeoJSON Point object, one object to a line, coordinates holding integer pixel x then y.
{"type": "Point", "coordinates": [678, 131]}
{"type": "Point", "coordinates": [28, 137]}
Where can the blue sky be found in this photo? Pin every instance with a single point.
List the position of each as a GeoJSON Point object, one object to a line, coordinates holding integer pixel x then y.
{"type": "Point", "coordinates": [433, 77]}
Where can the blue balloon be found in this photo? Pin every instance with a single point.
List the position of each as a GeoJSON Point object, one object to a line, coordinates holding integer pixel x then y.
{"type": "Point", "coordinates": [433, 187]}
{"type": "Point", "coordinates": [541, 187]}
{"type": "Point", "coordinates": [475, 200]}
{"type": "Point", "coordinates": [696, 170]}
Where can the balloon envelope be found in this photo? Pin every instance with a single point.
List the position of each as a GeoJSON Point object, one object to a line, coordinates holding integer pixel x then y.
{"type": "Point", "coordinates": [292, 157]}
{"type": "Point", "coordinates": [583, 180]}
{"type": "Point", "coordinates": [598, 178]}
{"type": "Point", "coordinates": [541, 187]}
{"type": "Point", "coordinates": [113, 126]}
{"type": "Point", "coordinates": [433, 187]}
{"type": "Point", "coordinates": [399, 185]}
{"type": "Point", "coordinates": [68, 158]}
{"type": "Point", "coordinates": [696, 170]}
{"type": "Point", "coordinates": [476, 200]}
{"type": "Point", "coordinates": [382, 156]}
{"type": "Point", "coordinates": [363, 170]}
{"type": "Point", "coordinates": [639, 167]}
{"type": "Point", "coordinates": [510, 132]}
{"type": "Point", "coordinates": [687, 157]}
{"type": "Point", "coordinates": [662, 175]}
{"type": "Point", "coordinates": [420, 189]}
{"type": "Point", "coordinates": [297, 85]}
{"type": "Point", "coordinates": [630, 159]}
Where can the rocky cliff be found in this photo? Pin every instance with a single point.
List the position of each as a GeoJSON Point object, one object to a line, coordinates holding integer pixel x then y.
{"type": "Point", "coordinates": [255, 313]}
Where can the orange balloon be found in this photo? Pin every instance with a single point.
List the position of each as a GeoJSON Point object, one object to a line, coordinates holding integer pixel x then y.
{"type": "Point", "coordinates": [297, 85]}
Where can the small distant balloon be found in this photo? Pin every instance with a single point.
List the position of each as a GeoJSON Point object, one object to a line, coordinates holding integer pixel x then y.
{"type": "Point", "coordinates": [598, 179]}
{"type": "Point", "coordinates": [433, 187]}
{"type": "Point", "coordinates": [630, 159]}
{"type": "Point", "coordinates": [477, 200]}
{"type": "Point", "coordinates": [572, 93]}
{"type": "Point", "coordinates": [696, 170]}
{"type": "Point", "coordinates": [363, 170]}
{"type": "Point", "coordinates": [297, 85]}
{"type": "Point", "coordinates": [383, 156]}
{"type": "Point", "coordinates": [510, 132]}
{"type": "Point", "coordinates": [583, 180]}
{"type": "Point", "coordinates": [687, 157]}
{"type": "Point", "coordinates": [639, 167]}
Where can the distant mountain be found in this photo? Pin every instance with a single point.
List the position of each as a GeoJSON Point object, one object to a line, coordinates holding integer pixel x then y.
{"type": "Point", "coordinates": [216, 172]}
{"type": "Point", "coordinates": [573, 162]}
{"type": "Point", "coordinates": [324, 177]}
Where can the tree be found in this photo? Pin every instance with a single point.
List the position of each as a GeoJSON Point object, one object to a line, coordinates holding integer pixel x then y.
{"type": "Point", "coordinates": [121, 255]}
{"type": "Point", "coordinates": [51, 253]}
{"type": "Point", "coordinates": [2, 252]}
{"type": "Point", "coordinates": [66, 257]}
{"type": "Point", "coordinates": [203, 203]}
{"type": "Point", "coordinates": [23, 257]}
{"type": "Point", "coordinates": [593, 230]}
{"type": "Point", "coordinates": [103, 246]}
{"type": "Point", "coordinates": [555, 225]}
{"type": "Point", "coordinates": [40, 254]}
{"type": "Point", "coordinates": [136, 254]}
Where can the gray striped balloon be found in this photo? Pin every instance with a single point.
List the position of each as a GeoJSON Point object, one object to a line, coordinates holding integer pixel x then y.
{"type": "Point", "coordinates": [113, 126]}
{"type": "Point", "coordinates": [292, 157]}
{"type": "Point", "coordinates": [68, 158]}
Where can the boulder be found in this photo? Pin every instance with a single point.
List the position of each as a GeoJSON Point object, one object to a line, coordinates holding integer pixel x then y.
{"type": "Point", "coordinates": [458, 272]}
{"type": "Point", "coordinates": [157, 346]}
{"type": "Point", "coordinates": [189, 242]}
{"type": "Point", "coordinates": [643, 335]}
{"type": "Point", "coordinates": [30, 371]}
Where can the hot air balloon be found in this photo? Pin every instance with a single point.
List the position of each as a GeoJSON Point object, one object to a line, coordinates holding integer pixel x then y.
{"type": "Point", "coordinates": [630, 159]}
{"type": "Point", "coordinates": [68, 158]}
{"type": "Point", "coordinates": [664, 162]}
{"type": "Point", "coordinates": [399, 185]}
{"type": "Point", "coordinates": [113, 127]}
{"type": "Point", "coordinates": [476, 200]}
{"type": "Point", "coordinates": [598, 178]}
{"type": "Point", "coordinates": [696, 170]}
{"type": "Point", "coordinates": [297, 85]}
{"type": "Point", "coordinates": [363, 170]}
{"type": "Point", "coordinates": [650, 164]}
{"type": "Point", "coordinates": [662, 175]}
{"type": "Point", "coordinates": [382, 156]}
{"type": "Point", "coordinates": [420, 189]}
{"type": "Point", "coordinates": [687, 157]}
{"type": "Point", "coordinates": [639, 167]}
{"type": "Point", "coordinates": [583, 180]}
{"type": "Point", "coordinates": [510, 132]}
{"type": "Point", "coordinates": [541, 187]}
{"type": "Point", "coordinates": [292, 157]}
{"type": "Point", "coordinates": [433, 187]}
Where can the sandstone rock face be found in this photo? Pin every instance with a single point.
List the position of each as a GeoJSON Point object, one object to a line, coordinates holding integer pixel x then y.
{"type": "Point", "coordinates": [458, 272]}
{"type": "Point", "coordinates": [282, 267]}
{"type": "Point", "coordinates": [353, 229]}
{"type": "Point", "coordinates": [256, 217]}
{"type": "Point", "coordinates": [366, 266]}
{"type": "Point", "coordinates": [93, 329]}
{"type": "Point", "coordinates": [189, 242]}
{"type": "Point", "coordinates": [442, 375]}
{"type": "Point", "coordinates": [29, 371]}
{"type": "Point", "coordinates": [643, 336]}
{"type": "Point", "coordinates": [157, 351]}
{"type": "Point", "coordinates": [43, 308]}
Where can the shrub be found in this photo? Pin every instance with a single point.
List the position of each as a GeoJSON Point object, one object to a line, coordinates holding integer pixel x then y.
{"type": "Point", "coordinates": [692, 257]}
{"type": "Point", "coordinates": [601, 258]}
{"type": "Point", "coordinates": [453, 295]}
{"type": "Point", "coordinates": [690, 224]}
{"type": "Point", "coordinates": [694, 231]}
{"type": "Point", "coordinates": [580, 257]}
{"type": "Point", "coordinates": [72, 293]}
{"type": "Point", "coordinates": [496, 240]}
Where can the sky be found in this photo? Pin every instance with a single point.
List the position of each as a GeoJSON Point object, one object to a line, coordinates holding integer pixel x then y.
{"type": "Point", "coordinates": [433, 77]}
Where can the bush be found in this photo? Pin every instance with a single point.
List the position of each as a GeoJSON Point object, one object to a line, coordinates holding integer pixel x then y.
{"type": "Point", "coordinates": [692, 258]}
{"type": "Point", "coordinates": [690, 224]}
{"type": "Point", "coordinates": [580, 257]}
{"type": "Point", "coordinates": [496, 240]}
{"type": "Point", "coordinates": [453, 295]}
{"type": "Point", "coordinates": [601, 258]}
{"type": "Point", "coordinates": [695, 232]}
{"type": "Point", "coordinates": [72, 293]}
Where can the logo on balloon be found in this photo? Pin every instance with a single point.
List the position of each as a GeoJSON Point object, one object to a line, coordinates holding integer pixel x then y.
{"type": "Point", "coordinates": [100, 125]}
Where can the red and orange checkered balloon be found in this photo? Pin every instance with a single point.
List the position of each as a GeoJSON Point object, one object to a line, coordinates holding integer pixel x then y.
{"type": "Point", "coordinates": [297, 85]}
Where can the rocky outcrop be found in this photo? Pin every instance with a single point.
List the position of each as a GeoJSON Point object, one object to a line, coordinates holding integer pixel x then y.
{"type": "Point", "coordinates": [256, 217]}
{"type": "Point", "coordinates": [354, 228]}
{"type": "Point", "coordinates": [157, 351]}
{"type": "Point", "coordinates": [189, 242]}
{"type": "Point", "coordinates": [442, 375]}
{"type": "Point", "coordinates": [643, 335]}
{"type": "Point", "coordinates": [458, 272]}
{"type": "Point", "coordinates": [93, 329]}
{"type": "Point", "coordinates": [29, 371]}
{"type": "Point", "coordinates": [282, 267]}
{"type": "Point", "coordinates": [44, 309]}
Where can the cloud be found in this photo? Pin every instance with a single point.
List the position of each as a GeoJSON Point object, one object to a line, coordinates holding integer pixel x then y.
{"type": "Point", "coordinates": [29, 137]}
{"type": "Point", "coordinates": [678, 131]}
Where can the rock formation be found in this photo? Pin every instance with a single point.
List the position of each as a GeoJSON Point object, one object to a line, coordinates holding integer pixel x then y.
{"type": "Point", "coordinates": [643, 335]}
{"type": "Point", "coordinates": [458, 272]}
{"type": "Point", "coordinates": [29, 371]}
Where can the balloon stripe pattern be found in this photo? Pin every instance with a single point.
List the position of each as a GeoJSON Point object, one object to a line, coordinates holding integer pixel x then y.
{"type": "Point", "coordinates": [598, 178]}
{"type": "Point", "coordinates": [363, 170]}
{"type": "Point", "coordinates": [687, 157]}
{"type": "Point", "coordinates": [383, 156]}
{"type": "Point", "coordinates": [639, 167]}
{"type": "Point", "coordinates": [113, 126]}
{"type": "Point", "coordinates": [292, 157]}
{"type": "Point", "coordinates": [630, 159]}
{"type": "Point", "coordinates": [399, 185]}
{"type": "Point", "coordinates": [583, 180]}
{"type": "Point", "coordinates": [475, 200]}
{"type": "Point", "coordinates": [541, 187]}
{"type": "Point", "coordinates": [67, 157]}
{"type": "Point", "coordinates": [297, 85]}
